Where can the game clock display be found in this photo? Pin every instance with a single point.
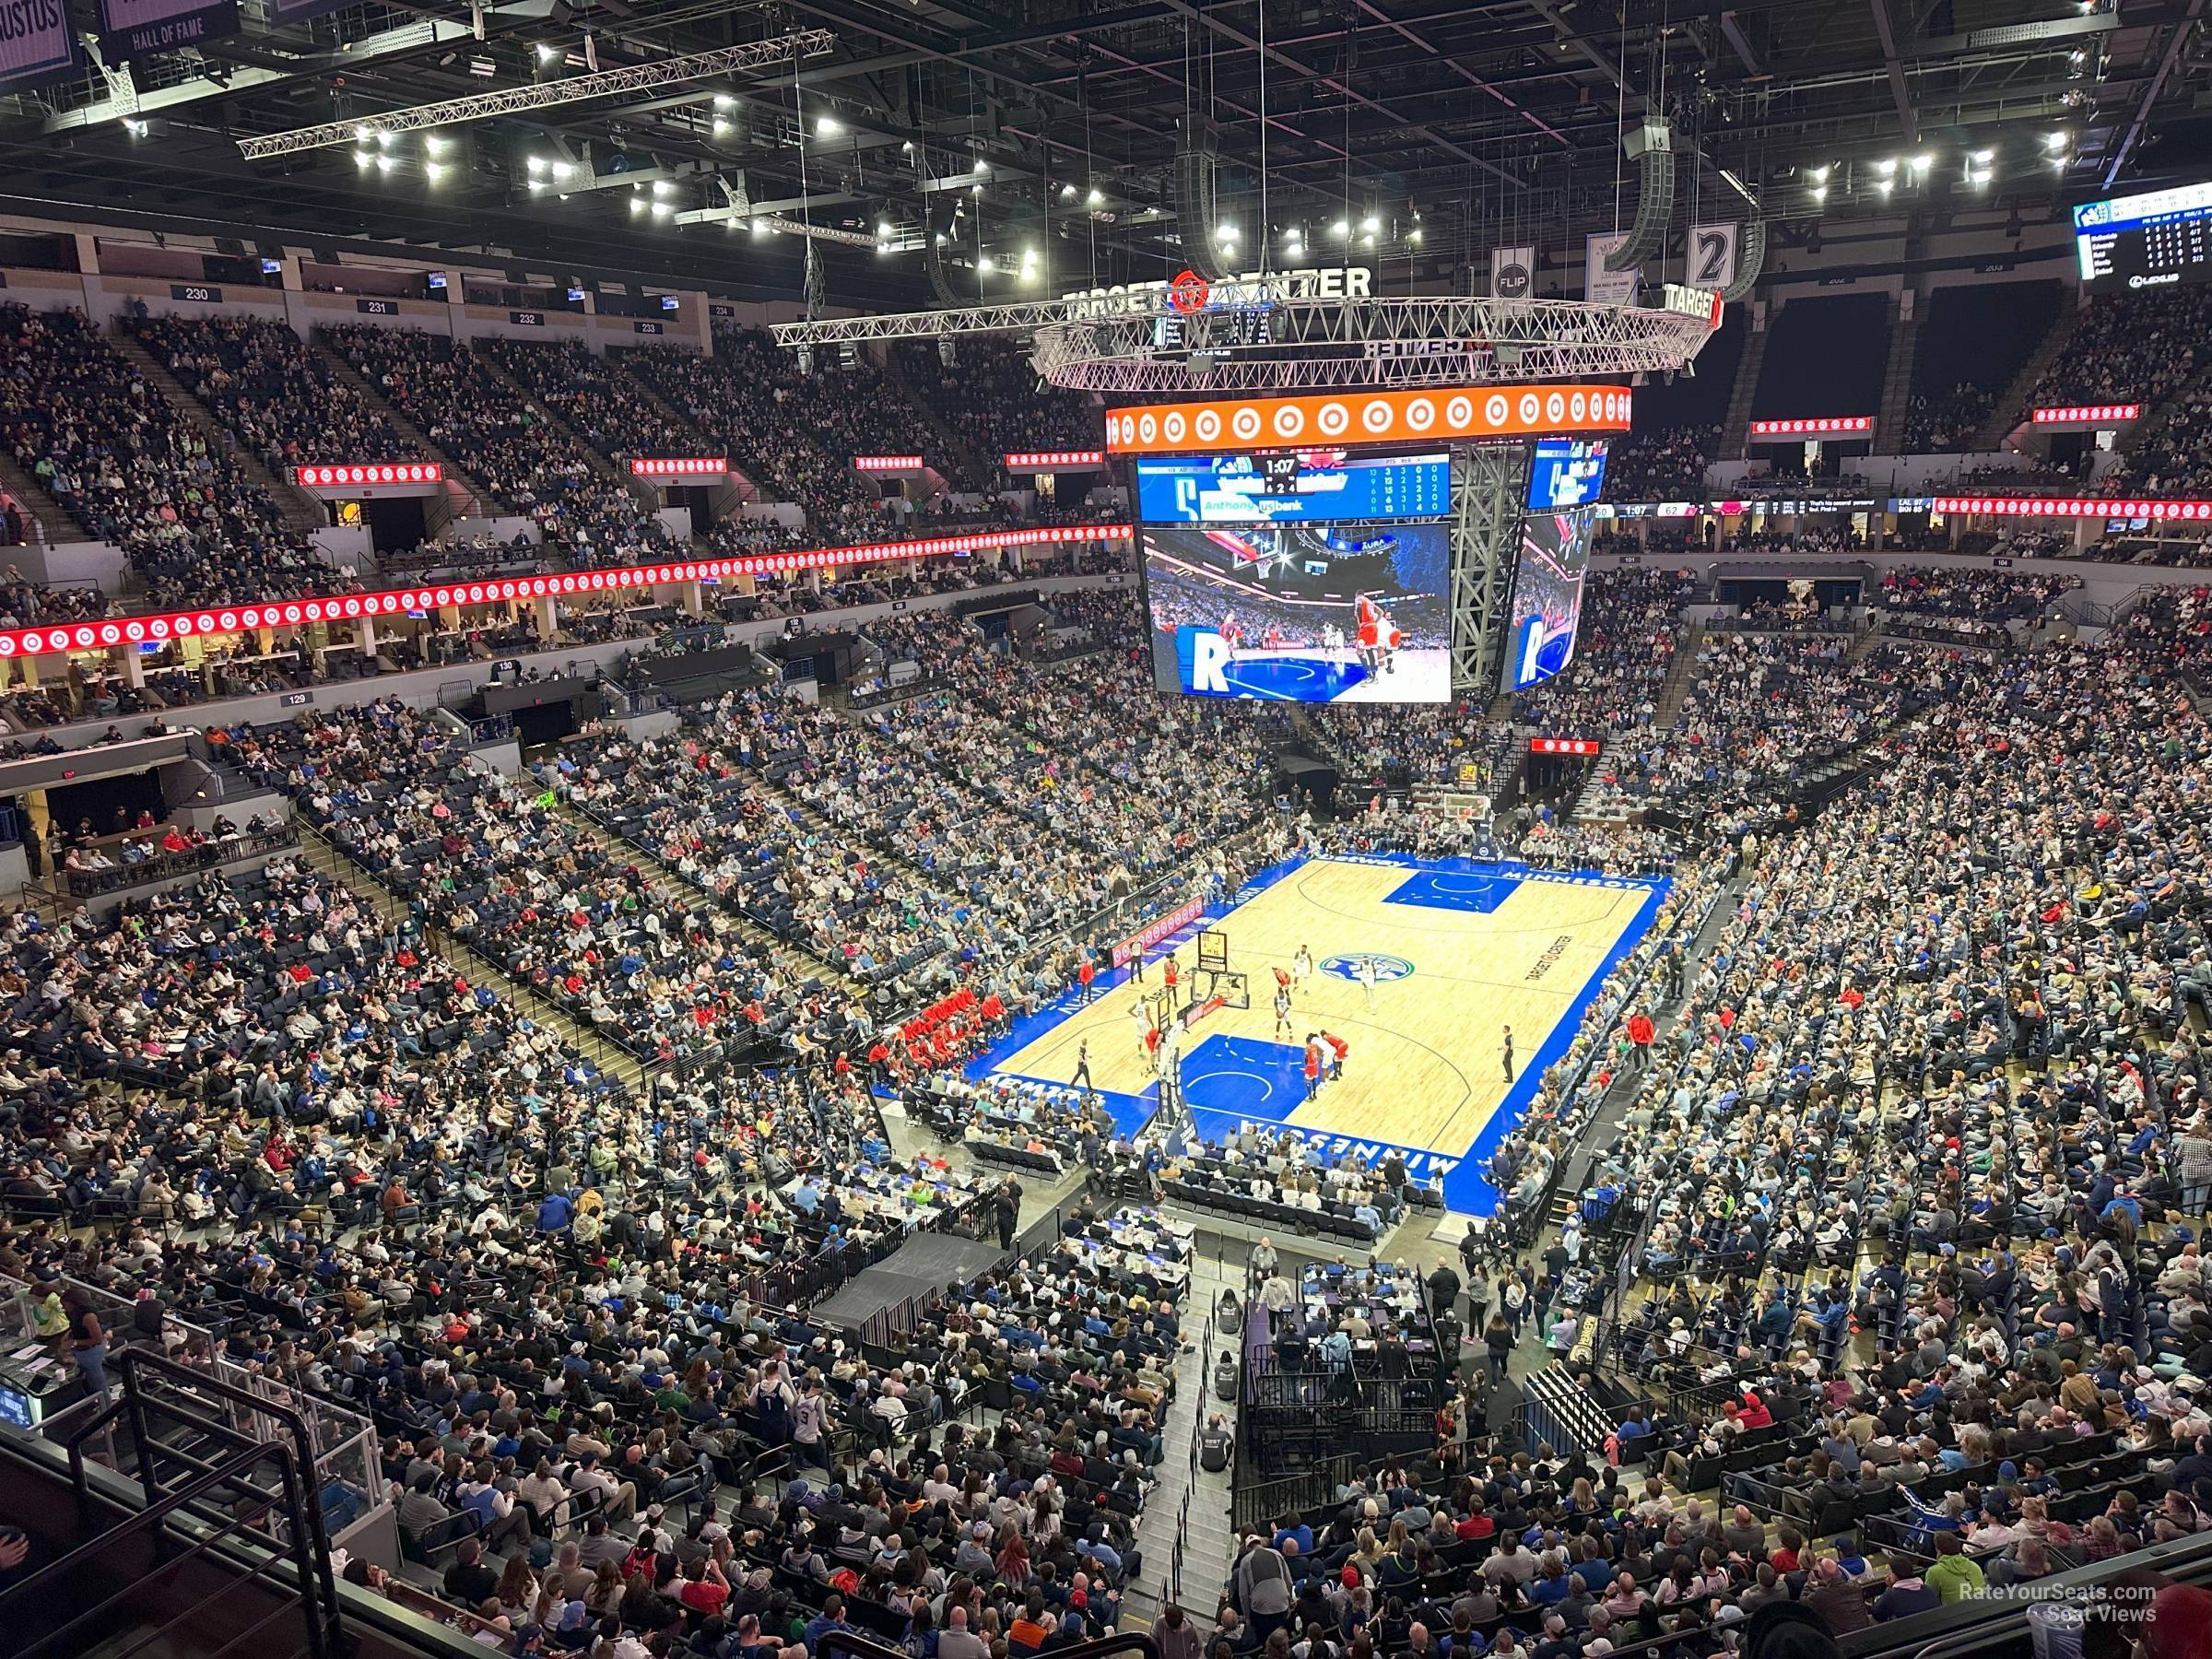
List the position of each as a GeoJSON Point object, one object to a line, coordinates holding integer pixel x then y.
{"type": "Point", "coordinates": [1292, 486]}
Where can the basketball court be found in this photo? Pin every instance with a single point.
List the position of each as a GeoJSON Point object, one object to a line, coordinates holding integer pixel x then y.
{"type": "Point", "coordinates": [1461, 949]}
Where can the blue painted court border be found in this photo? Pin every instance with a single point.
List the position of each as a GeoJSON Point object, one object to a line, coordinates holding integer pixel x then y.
{"type": "Point", "coordinates": [1467, 1188]}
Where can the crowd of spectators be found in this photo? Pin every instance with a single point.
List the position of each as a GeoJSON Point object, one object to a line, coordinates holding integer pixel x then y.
{"type": "Point", "coordinates": [794, 435]}
{"type": "Point", "coordinates": [1632, 623]}
{"type": "Point", "coordinates": [525, 459]}
{"type": "Point", "coordinates": [1946, 422]}
{"type": "Point", "coordinates": [80, 419]}
{"type": "Point", "coordinates": [990, 397]}
{"type": "Point", "coordinates": [2133, 348]}
{"type": "Point", "coordinates": [273, 393]}
{"type": "Point", "coordinates": [1665, 465]}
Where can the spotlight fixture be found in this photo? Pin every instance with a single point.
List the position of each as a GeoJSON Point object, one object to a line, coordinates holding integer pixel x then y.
{"type": "Point", "coordinates": [1068, 193]}
{"type": "Point", "coordinates": [1370, 224]}
{"type": "Point", "coordinates": [723, 100]}
{"type": "Point", "coordinates": [548, 53]}
{"type": "Point", "coordinates": [828, 127]}
{"type": "Point", "coordinates": [2055, 141]}
{"type": "Point", "coordinates": [1096, 198]}
{"type": "Point", "coordinates": [435, 145]}
{"type": "Point", "coordinates": [1342, 226]}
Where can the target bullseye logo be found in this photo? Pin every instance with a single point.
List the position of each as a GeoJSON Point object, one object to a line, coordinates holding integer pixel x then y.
{"type": "Point", "coordinates": [1188, 293]}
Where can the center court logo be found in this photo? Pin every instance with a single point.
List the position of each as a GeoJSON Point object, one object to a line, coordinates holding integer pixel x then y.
{"type": "Point", "coordinates": [1387, 968]}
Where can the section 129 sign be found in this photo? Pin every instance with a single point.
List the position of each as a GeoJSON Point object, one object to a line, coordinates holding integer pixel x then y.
{"type": "Point", "coordinates": [1295, 487]}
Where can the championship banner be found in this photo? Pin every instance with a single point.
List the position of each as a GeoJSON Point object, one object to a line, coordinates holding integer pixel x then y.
{"type": "Point", "coordinates": [129, 29]}
{"type": "Point", "coordinates": [1711, 257]}
{"type": "Point", "coordinates": [36, 42]}
{"type": "Point", "coordinates": [1512, 273]}
{"type": "Point", "coordinates": [1602, 286]}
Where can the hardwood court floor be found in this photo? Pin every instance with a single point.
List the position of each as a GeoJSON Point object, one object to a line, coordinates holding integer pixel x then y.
{"type": "Point", "coordinates": [1425, 1067]}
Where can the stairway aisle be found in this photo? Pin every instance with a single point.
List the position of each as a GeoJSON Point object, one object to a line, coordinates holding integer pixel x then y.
{"type": "Point", "coordinates": [300, 511]}
{"type": "Point", "coordinates": [1189, 1499]}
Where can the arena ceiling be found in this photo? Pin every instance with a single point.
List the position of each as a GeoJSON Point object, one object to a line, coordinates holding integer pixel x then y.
{"type": "Point", "coordinates": [1043, 139]}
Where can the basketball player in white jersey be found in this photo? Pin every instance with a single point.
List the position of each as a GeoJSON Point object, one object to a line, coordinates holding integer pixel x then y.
{"type": "Point", "coordinates": [1367, 979]}
{"type": "Point", "coordinates": [1302, 967]}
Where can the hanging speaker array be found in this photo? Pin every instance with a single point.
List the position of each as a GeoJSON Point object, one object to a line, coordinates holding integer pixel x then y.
{"type": "Point", "coordinates": [1651, 144]}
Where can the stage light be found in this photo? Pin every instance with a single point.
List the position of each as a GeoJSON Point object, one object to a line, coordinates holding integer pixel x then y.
{"type": "Point", "coordinates": [1342, 227]}
{"type": "Point", "coordinates": [536, 164]}
{"type": "Point", "coordinates": [1370, 224]}
{"type": "Point", "coordinates": [662, 210]}
{"type": "Point", "coordinates": [133, 126]}
{"type": "Point", "coordinates": [2055, 141]}
{"type": "Point", "coordinates": [1096, 198]}
{"type": "Point", "coordinates": [1981, 157]}
{"type": "Point", "coordinates": [828, 127]}
{"type": "Point", "coordinates": [1819, 193]}
{"type": "Point", "coordinates": [1820, 175]}
{"type": "Point", "coordinates": [1922, 163]}
{"type": "Point", "coordinates": [637, 205]}
{"type": "Point", "coordinates": [1367, 240]}
{"type": "Point", "coordinates": [981, 166]}
{"type": "Point", "coordinates": [661, 187]}
{"type": "Point", "coordinates": [1068, 193]}
{"type": "Point", "coordinates": [1225, 234]}
{"type": "Point", "coordinates": [883, 228]}
{"type": "Point", "coordinates": [384, 164]}
{"type": "Point", "coordinates": [364, 132]}
{"type": "Point", "coordinates": [362, 158]}
{"type": "Point", "coordinates": [1886, 167]}
{"type": "Point", "coordinates": [723, 100]}
{"type": "Point", "coordinates": [383, 140]}
{"type": "Point", "coordinates": [435, 145]}
{"type": "Point", "coordinates": [1414, 235]}
{"type": "Point", "coordinates": [1886, 186]}
{"type": "Point", "coordinates": [433, 170]}
{"type": "Point", "coordinates": [564, 170]}
{"type": "Point", "coordinates": [721, 126]}
{"type": "Point", "coordinates": [982, 263]}
{"type": "Point", "coordinates": [547, 53]}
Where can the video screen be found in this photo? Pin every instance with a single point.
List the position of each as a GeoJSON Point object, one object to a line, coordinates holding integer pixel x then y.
{"type": "Point", "coordinates": [1292, 488]}
{"type": "Point", "coordinates": [1566, 472]}
{"type": "Point", "coordinates": [2153, 240]}
{"type": "Point", "coordinates": [1548, 596]}
{"type": "Point", "coordinates": [1301, 613]}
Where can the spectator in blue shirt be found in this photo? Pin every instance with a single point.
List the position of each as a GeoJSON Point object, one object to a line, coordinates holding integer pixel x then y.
{"type": "Point", "coordinates": [555, 1214]}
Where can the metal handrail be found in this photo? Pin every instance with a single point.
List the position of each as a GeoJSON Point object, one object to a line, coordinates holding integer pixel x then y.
{"type": "Point", "coordinates": [227, 1473]}
{"type": "Point", "coordinates": [309, 1533]}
